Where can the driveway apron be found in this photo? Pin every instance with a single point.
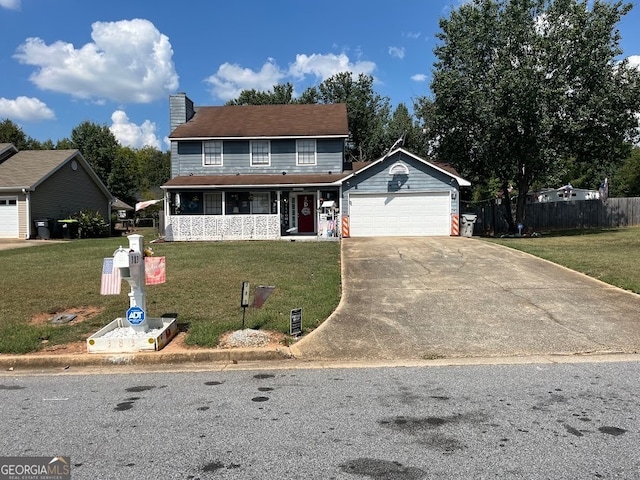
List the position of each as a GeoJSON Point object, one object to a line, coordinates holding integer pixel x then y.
{"type": "Point", "coordinates": [437, 297]}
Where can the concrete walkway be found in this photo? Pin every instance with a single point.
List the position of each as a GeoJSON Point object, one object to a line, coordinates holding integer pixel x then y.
{"type": "Point", "coordinates": [429, 298]}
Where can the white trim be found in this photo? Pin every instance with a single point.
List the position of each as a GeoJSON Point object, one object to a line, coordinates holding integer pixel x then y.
{"type": "Point", "coordinates": [399, 168]}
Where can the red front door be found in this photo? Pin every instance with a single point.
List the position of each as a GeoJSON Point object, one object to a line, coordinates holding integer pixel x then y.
{"type": "Point", "coordinates": [306, 214]}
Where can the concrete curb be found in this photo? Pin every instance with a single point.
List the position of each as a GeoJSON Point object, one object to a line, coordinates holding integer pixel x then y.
{"type": "Point", "coordinates": [16, 362]}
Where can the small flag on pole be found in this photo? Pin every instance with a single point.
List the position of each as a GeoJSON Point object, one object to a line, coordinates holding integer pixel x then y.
{"type": "Point", "coordinates": [110, 282]}
{"type": "Point", "coordinates": [155, 271]}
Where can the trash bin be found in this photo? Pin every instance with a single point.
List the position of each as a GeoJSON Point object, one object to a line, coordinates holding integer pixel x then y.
{"type": "Point", "coordinates": [468, 221]}
{"type": "Point", "coordinates": [44, 227]}
{"type": "Point", "coordinates": [69, 228]}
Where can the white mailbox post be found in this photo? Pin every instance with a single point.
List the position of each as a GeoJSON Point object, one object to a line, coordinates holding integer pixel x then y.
{"type": "Point", "coordinates": [131, 264]}
{"type": "Point", "coordinates": [136, 331]}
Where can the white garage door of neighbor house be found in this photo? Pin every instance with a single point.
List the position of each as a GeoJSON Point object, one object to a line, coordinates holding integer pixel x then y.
{"type": "Point", "coordinates": [400, 214]}
{"type": "Point", "coordinates": [8, 217]}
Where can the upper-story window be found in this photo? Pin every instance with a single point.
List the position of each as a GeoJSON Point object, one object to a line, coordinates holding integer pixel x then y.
{"type": "Point", "coordinates": [306, 152]}
{"type": "Point", "coordinates": [212, 153]}
{"type": "Point", "coordinates": [260, 153]}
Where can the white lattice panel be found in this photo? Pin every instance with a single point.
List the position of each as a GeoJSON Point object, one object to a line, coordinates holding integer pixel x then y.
{"type": "Point", "coordinates": [215, 227]}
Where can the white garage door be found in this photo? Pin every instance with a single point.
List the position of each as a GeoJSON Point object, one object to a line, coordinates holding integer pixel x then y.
{"type": "Point", "coordinates": [8, 217]}
{"type": "Point", "coordinates": [400, 214]}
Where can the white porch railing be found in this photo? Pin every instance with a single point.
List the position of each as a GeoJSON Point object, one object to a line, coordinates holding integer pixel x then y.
{"type": "Point", "coordinates": [218, 227]}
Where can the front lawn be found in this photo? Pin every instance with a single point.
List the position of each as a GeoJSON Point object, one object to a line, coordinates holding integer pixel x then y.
{"type": "Point", "coordinates": [203, 287]}
{"type": "Point", "coordinates": [610, 255]}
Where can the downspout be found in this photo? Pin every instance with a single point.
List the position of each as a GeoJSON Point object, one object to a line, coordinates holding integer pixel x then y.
{"type": "Point", "coordinates": [27, 195]}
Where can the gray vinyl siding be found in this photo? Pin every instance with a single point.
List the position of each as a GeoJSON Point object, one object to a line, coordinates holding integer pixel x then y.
{"type": "Point", "coordinates": [187, 158]}
{"type": "Point", "coordinates": [66, 192]}
{"type": "Point", "coordinates": [421, 178]}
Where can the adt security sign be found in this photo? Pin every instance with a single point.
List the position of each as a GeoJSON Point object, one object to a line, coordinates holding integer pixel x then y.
{"type": "Point", "coordinates": [135, 315]}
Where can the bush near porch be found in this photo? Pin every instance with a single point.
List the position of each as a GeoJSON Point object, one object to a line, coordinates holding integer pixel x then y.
{"type": "Point", "coordinates": [203, 287]}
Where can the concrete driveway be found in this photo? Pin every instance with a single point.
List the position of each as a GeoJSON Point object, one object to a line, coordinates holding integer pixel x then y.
{"type": "Point", "coordinates": [436, 297]}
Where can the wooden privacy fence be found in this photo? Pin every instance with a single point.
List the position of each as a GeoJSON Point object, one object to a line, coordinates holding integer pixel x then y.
{"type": "Point", "coordinates": [565, 215]}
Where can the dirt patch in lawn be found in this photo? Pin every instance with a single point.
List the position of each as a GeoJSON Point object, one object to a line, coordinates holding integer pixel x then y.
{"type": "Point", "coordinates": [80, 314]}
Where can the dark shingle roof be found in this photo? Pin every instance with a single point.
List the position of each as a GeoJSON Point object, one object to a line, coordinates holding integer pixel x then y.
{"type": "Point", "coordinates": [194, 181]}
{"type": "Point", "coordinates": [28, 168]}
{"type": "Point", "coordinates": [254, 121]}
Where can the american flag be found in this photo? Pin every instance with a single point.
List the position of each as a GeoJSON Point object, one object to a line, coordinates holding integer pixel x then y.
{"type": "Point", "coordinates": [110, 282]}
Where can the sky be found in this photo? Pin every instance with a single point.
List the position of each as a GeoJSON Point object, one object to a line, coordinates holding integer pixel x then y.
{"type": "Point", "coordinates": [115, 63]}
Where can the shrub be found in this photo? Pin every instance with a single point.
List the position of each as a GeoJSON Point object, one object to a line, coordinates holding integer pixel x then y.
{"type": "Point", "coordinates": [91, 224]}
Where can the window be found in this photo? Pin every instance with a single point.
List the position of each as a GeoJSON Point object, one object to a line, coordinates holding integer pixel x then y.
{"type": "Point", "coordinates": [213, 203]}
{"type": "Point", "coordinates": [260, 202]}
{"type": "Point", "coordinates": [260, 153]}
{"type": "Point", "coordinates": [306, 152]}
{"type": "Point", "coordinates": [212, 153]}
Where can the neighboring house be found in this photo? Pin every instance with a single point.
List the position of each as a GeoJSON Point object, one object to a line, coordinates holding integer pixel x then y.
{"type": "Point", "coordinates": [46, 184]}
{"type": "Point", "coordinates": [263, 172]}
{"type": "Point", "coordinates": [562, 194]}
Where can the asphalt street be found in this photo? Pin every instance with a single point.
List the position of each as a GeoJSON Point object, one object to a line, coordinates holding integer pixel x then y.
{"type": "Point", "coordinates": [537, 421]}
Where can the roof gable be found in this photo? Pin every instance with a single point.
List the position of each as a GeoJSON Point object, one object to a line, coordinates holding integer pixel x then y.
{"type": "Point", "coordinates": [29, 168]}
{"type": "Point", "coordinates": [391, 157]}
{"type": "Point", "coordinates": [268, 121]}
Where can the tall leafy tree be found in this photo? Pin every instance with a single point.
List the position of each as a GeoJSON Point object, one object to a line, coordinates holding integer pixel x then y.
{"type": "Point", "coordinates": [124, 175]}
{"type": "Point", "coordinates": [521, 87]}
{"type": "Point", "coordinates": [403, 125]}
{"type": "Point", "coordinates": [368, 112]}
{"type": "Point", "coordinates": [97, 145]}
{"type": "Point", "coordinates": [12, 133]}
{"type": "Point", "coordinates": [282, 94]}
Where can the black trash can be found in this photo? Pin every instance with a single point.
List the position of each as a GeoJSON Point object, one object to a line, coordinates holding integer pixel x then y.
{"type": "Point", "coordinates": [69, 228]}
{"type": "Point", "coordinates": [44, 227]}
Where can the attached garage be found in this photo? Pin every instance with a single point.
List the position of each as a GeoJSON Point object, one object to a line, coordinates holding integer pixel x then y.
{"type": "Point", "coordinates": [401, 195]}
{"type": "Point", "coordinates": [8, 217]}
{"type": "Point", "coordinates": [400, 214]}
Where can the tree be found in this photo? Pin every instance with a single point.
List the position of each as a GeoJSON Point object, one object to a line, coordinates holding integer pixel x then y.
{"type": "Point", "coordinates": [367, 112]}
{"type": "Point", "coordinates": [626, 180]}
{"type": "Point", "coordinates": [124, 175]}
{"type": "Point", "coordinates": [522, 88]}
{"type": "Point", "coordinates": [154, 169]}
{"type": "Point", "coordinates": [12, 133]}
{"type": "Point", "coordinates": [281, 95]}
{"type": "Point", "coordinates": [97, 145]}
{"type": "Point", "coordinates": [402, 124]}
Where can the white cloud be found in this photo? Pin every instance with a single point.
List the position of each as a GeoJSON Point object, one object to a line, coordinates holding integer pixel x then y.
{"type": "Point", "coordinates": [325, 66]}
{"type": "Point", "coordinates": [231, 79]}
{"type": "Point", "coordinates": [634, 61]}
{"type": "Point", "coordinates": [11, 4]}
{"type": "Point", "coordinates": [419, 77]}
{"type": "Point", "coordinates": [413, 35]}
{"type": "Point", "coordinates": [131, 135]}
{"type": "Point", "coordinates": [128, 61]}
{"type": "Point", "coordinates": [26, 109]}
{"type": "Point", "coordinates": [397, 52]}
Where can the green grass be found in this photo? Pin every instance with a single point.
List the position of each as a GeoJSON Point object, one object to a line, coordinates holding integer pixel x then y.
{"type": "Point", "coordinates": [609, 255]}
{"type": "Point", "coordinates": [203, 286]}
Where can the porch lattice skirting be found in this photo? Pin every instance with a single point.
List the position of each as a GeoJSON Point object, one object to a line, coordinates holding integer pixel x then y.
{"type": "Point", "coordinates": [217, 227]}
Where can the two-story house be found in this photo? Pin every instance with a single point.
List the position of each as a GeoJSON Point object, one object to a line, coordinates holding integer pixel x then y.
{"type": "Point", "coordinates": [266, 171]}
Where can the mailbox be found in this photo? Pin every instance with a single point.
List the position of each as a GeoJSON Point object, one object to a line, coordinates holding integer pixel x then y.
{"type": "Point", "coordinates": [121, 261]}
